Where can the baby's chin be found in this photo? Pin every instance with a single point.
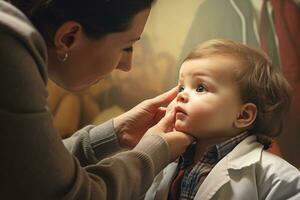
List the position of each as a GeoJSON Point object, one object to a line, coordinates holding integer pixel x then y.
{"type": "Point", "coordinates": [182, 127]}
{"type": "Point", "coordinates": [179, 126]}
{"type": "Point", "coordinates": [185, 128]}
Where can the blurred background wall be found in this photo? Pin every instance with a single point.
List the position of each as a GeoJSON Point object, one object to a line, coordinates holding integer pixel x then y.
{"type": "Point", "coordinates": [174, 28]}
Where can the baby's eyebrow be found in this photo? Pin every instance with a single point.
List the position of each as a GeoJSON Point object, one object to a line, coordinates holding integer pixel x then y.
{"type": "Point", "coordinates": [207, 79]}
{"type": "Point", "coordinates": [200, 74]}
{"type": "Point", "coordinates": [180, 78]}
{"type": "Point", "coordinates": [180, 81]}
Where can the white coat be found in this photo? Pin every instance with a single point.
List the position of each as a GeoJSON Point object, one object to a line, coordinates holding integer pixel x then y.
{"type": "Point", "coordinates": [247, 172]}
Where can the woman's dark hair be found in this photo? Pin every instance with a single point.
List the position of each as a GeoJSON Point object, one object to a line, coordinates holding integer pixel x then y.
{"type": "Point", "coordinates": [97, 17]}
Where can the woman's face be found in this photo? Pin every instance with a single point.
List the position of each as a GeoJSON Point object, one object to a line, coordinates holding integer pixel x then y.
{"type": "Point", "coordinates": [91, 59]}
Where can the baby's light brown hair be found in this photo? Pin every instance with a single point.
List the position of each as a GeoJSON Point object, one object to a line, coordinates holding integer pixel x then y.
{"type": "Point", "coordinates": [259, 82]}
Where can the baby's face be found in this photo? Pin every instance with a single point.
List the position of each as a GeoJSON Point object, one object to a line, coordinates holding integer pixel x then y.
{"type": "Point", "coordinates": [208, 101]}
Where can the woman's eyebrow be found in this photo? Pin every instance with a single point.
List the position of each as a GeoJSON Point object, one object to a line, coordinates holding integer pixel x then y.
{"type": "Point", "coordinates": [135, 39]}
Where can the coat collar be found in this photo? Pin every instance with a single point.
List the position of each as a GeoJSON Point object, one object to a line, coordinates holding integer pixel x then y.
{"type": "Point", "coordinates": [245, 154]}
{"type": "Point", "coordinates": [160, 187]}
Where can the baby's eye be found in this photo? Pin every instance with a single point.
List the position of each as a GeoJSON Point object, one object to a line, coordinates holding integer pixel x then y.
{"type": "Point", "coordinates": [201, 88]}
{"type": "Point", "coordinates": [180, 88]}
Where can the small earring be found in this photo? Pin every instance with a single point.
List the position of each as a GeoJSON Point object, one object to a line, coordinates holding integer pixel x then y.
{"type": "Point", "coordinates": [63, 59]}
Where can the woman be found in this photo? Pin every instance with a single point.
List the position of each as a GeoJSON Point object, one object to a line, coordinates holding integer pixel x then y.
{"type": "Point", "coordinates": [83, 42]}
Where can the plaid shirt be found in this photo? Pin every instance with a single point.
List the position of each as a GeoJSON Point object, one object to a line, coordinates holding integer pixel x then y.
{"type": "Point", "coordinates": [195, 176]}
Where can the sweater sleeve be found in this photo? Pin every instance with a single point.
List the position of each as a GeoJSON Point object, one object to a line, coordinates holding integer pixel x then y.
{"type": "Point", "coordinates": [93, 143]}
{"type": "Point", "coordinates": [34, 161]}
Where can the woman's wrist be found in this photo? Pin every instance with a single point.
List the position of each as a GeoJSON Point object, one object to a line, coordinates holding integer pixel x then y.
{"type": "Point", "coordinates": [119, 125]}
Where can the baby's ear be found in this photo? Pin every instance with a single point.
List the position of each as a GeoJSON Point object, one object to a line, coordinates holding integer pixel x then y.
{"type": "Point", "coordinates": [246, 116]}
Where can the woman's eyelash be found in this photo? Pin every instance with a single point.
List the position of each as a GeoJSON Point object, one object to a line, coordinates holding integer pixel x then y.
{"type": "Point", "coordinates": [129, 49]}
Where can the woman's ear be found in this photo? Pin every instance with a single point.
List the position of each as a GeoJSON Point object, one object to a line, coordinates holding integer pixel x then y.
{"type": "Point", "coordinates": [246, 116]}
{"type": "Point", "coordinates": [66, 36]}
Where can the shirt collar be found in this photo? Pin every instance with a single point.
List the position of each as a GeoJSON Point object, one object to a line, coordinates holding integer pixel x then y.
{"type": "Point", "coordinates": [214, 153]}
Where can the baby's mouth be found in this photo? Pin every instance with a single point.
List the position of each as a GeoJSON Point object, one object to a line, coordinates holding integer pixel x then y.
{"type": "Point", "coordinates": [178, 109]}
{"type": "Point", "coordinates": [180, 113]}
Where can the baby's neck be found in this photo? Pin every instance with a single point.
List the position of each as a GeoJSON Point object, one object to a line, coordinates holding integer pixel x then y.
{"type": "Point", "coordinates": [203, 145]}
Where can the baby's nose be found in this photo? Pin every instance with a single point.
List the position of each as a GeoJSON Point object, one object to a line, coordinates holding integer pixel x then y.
{"type": "Point", "coordinates": [182, 97]}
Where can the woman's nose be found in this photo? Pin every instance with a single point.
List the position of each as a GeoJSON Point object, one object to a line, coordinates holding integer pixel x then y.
{"type": "Point", "coordinates": [182, 97]}
{"type": "Point", "coordinates": [125, 62]}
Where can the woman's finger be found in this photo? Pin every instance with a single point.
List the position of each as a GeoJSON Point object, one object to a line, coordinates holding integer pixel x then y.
{"type": "Point", "coordinates": [167, 122]}
{"type": "Point", "coordinates": [165, 98]}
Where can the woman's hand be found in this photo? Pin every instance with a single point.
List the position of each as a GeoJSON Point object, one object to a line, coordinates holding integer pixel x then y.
{"type": "Point", "coordinates": [177, 141]}
{"type": "Point", "coordinates": [132, 125]}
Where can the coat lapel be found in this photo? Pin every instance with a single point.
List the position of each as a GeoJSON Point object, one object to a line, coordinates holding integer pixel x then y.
{"type": "Point", "coordinates": [245, 154]}
{"type": "Point", "coordinates": [168, 175]}
{"type": "Point", "coordinates": [214, 181]}
{"type": "Point", "coordinates": [160, 187]}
